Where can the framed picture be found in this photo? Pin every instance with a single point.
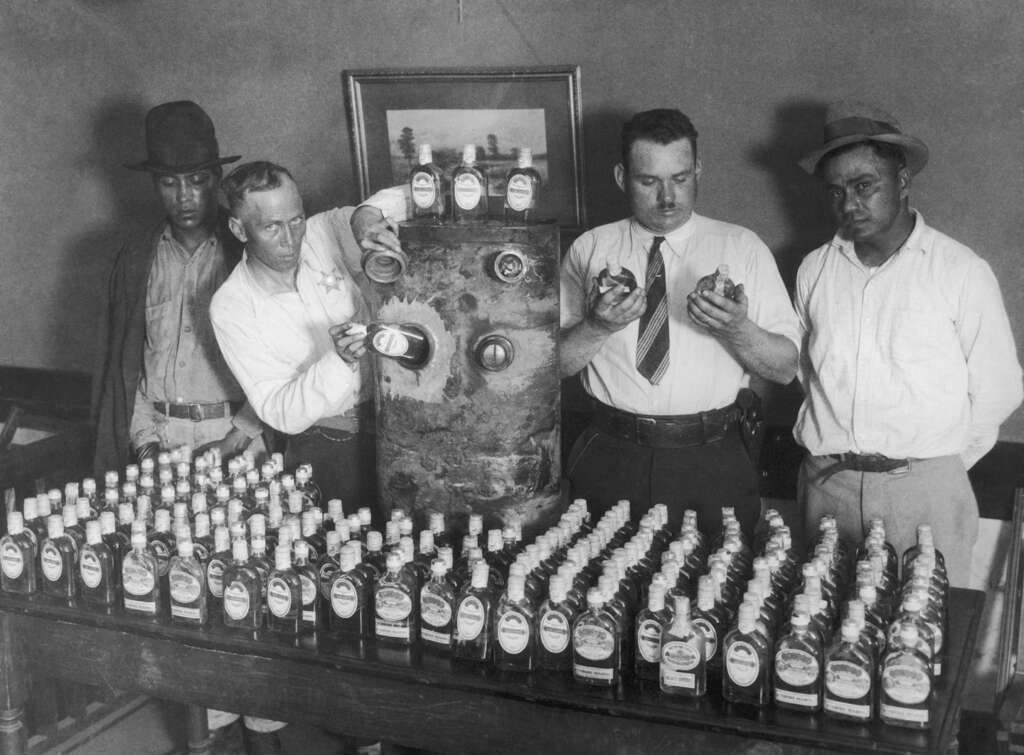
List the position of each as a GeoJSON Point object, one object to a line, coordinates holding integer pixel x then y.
{"type": "Point", "coordinates": [500, 110]}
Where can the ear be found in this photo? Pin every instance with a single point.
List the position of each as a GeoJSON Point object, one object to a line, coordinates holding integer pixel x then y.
{"type": "Point", "coordinates": [237, 229]}
{"type": "Point", "coordinates": [903, 181]}
{"type": "Point", "coordinates": [620, 175]}
{"type": "Point", "coordinates": [698, 168]}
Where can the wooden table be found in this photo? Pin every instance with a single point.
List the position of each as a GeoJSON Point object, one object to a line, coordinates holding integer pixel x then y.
{"type": "Point", "coordinates": [418, 699]}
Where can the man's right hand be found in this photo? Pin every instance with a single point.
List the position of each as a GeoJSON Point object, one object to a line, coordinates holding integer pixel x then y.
{"type": "Point", "coordinates": [147, 451]}
{"type": "Point", "coordinates": [615, 308]}
{"type": "Point", "coordinates": [351, 347]}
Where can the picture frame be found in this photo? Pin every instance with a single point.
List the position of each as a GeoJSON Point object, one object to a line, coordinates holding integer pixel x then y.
{"type": "Point", "coordinates": [390, 111]}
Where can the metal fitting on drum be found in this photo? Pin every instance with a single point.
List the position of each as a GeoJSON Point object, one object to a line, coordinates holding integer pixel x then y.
{"type": "Point", "coordinates": [384, 266]}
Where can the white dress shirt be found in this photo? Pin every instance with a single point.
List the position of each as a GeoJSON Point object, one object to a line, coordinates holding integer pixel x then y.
{"type": "Point", "coordinates": [702, 374]}
{"type": "Point", "coordinates": [913, 359]}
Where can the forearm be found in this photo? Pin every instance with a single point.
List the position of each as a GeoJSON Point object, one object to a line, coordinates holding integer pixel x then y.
{"type": "Point", "coordinates": [247, 421]}
{"type": "Point", "coordinates": [579, 344]}
{"type": "Point", "coordinates": [768, 355]}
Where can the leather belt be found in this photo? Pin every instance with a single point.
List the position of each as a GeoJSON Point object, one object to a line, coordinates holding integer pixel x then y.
{"type": "Point", "coordinates": [863, 463]}
{"type": "Point", "coordinates": [666, 431]}
{"type": "Point", "coordinates": [198, 412]}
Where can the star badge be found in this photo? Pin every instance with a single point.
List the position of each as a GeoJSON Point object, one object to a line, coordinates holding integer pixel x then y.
{"type": "Point", "coordinates": [329, 281]}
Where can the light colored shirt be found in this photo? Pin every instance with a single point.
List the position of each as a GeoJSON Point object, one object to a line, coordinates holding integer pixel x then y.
{"type": "Point", "coordinates": [278, 344]}
{"type": "Point", "coordinates": [181, 361]}
{"type": "Point", "coordinates": [913, 360]}
{"type": "Point", "coordinates": [702, 374]}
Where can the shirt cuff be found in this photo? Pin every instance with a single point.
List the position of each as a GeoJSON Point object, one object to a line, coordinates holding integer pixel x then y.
{"type": "Point", "coordinates": [245, 419]}
{"type": "Point", "coordinates": [393, 202]}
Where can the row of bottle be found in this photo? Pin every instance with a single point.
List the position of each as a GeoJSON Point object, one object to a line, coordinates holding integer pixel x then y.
{"type": "Point", "coordinates": [469, 191]}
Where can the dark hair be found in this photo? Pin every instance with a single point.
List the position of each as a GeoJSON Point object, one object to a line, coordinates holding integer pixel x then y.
{"type": "Point", "coordinates": [661, 126]}
{"type": "Point", "coordinates": [890, 153]}
{"type": "Point", "coordinates": [259, 175]}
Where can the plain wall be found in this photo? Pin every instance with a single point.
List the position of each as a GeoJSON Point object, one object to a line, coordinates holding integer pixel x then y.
{"type": "Point", "coordinates": [76, 79]}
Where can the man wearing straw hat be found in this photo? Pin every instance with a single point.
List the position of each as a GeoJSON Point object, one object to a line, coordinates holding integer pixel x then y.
{"type": "Point", "coordinates": [908, 364]}
{"type": "Point", "coordinates": [163, 382]}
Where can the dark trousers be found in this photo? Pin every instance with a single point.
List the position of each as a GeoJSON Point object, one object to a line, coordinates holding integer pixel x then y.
{"type": "Point", "coordinates": [344, 464]}
{"type": "Point", "coordinates": [603, 469]}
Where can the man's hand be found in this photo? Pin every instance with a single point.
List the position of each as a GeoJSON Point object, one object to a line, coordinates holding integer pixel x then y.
{"type": "Point", "coordinates": [615, 308]}
{"type": "Point", "coordinates": [147, 451]}
{"type": "Point", "coordinates": [350, 346]}
{"type": "Point", "coordinates": [230, 445]}
{"type": "Point", "coordinates": [374, 232]}
{"type": "Point", "coordinates": [725, 318]}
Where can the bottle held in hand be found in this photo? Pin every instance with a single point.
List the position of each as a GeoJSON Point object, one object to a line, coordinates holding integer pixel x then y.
{"type": "Point", "coordinates": [719, 282]}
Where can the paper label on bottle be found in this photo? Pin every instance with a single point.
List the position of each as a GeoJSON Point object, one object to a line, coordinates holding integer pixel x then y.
{"type": "Point", "coordinates": [470, 618]}
{"type": "Point", "coordinates": [852, 710]}
{"type": "Point", "coordinates": [185, 612]}
{"type": "Point", "coordinates": [648, 640]}
{"type": "Point", "coordinates": [392, 630]}
{"type": "Point", "coordinates": [595, 673]}
{"type": "Point", "coordinates": [680, 655]}
{"type": "Point", "coordinates": [593, 642]}
{"type": "Point", "coordinates": [89, 568]}
{"type": "Point", "coordinates": [390, 342]}
{"type": "Point", "coordinates": [392, 604]}
{"type": "Point", "coordinates": [916, 715]}
{"type": "Point", "coordinates": [424, 191]}
{"type": "Point", "coordinates": [308, 590]}
{"type": "Point", "coordinates": [236, 601]}
{"type": "Point", "coordinates": [795, 667]}
{"type": "Point", "coordinates": [671, 677]}
{"type": "Point", "coordinates": [710, 637]}
{"type": "Point", "coordinates": [185, 588]}
{"type": "Point", "coordinates": [554, 632]}
{"type": "Point", "coordinates": [279, 597]}
{"type": "Point", "coordinates": [435, 637]}
{"type": "Point", "coordinates": [467, 191]}
{"type": "Point", "coordinates": [435, 610]}
{"type": "Point", "coordinates": [51, 561]}
{"type": "Point", "coordinates": [847, 680]}
{"type": "Point", "coordinates": [742, 663]}
{"type": "Point", "coordinates": [519, 192]}
{"type": "Point", "coordinates": [801, 699]}
{"type": "Point", "coordinates": [137, 579]}
{"type": "Point", "coordinates": [11, 560]}
{"type": "Point", "coordinates": [215, 578]}
{"type": "Point", "coordinates": [344, 599]}
{"type": "Point", "coordinates": [906, 683]}
{"type": "Point", "coordinates": [513, 632]}
{"type": "Point", "coordinates": [140, 606]}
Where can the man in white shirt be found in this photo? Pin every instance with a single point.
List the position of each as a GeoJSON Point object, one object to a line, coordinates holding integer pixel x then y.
{"type": "Point", "coordinates": [908, 363]}
{"type": "Point", "coordinates": [664, 364]}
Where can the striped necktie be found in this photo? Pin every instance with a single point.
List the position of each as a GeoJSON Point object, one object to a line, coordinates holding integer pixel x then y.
{"type": "Point", "coordinates": [652, 343]}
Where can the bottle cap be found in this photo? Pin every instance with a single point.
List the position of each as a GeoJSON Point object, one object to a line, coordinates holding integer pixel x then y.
{"type": "Point", "coordinates": [800, 620]}
{"type": "Point", "coordinates": [516, 587]}
{"type": "Point", "coordinates": [374, 541]}
{"type": "Point", "coordinates": [282, 557]}
{"type": "Point", "coordinates": [469, 154]}
{"type": "Point", "coordinates": [108, 523]}
{"type": "Point", "coordinates": [476, 524]}
{"type": "Point", "coordinates": [850, 632]}
{"type": "Point", "coordinates": [139, 541]}
{"type": "Point", "coordinates": [202, 524]}
{"type": "Point", "coordinates": [347, 558]}
{"type": "Point", "coordinates": [595, 598]}
{"type": "Point", "coordinates": [240, 550]}
{"type": "Point", "coordinates": [15, 523]}
{"type": "Point", "coordinates": [365, 516]}
{"type": "Point", "coordinates": [525, 159]}
{"type": "Point", "coordinates": [162, 520]}
{"type": "Point", "coordinates": [334, 509]}
{"type": "Point", "coordinates": [391, 531]}
{"type": "Point", "coordinates": [394, 561]}
{"type": "Point", "coordinates": [301, 550]}
{"type": "Point", "coordinates": [185, 548]}
{"type": "Point", "coordinates": [425, 154]}
{"type": "Point", "coordinates": [30, 508]}
{"type": "Point", "coordinates": [438, 568]}
{"type": "Point", "coordinates": [221, 539]}
{"type": "Point", "coordinates": [908, 634]}
{"type": "Point", "coordinates": [481, 574]}
{"type": "Point", "coordinates": [69, 515]}
{"type": "Point", "coordinates": [93, 533]}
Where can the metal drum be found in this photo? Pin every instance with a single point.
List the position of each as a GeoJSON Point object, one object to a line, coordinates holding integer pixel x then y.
{"type": "Point", "coordinates": [476, 428]}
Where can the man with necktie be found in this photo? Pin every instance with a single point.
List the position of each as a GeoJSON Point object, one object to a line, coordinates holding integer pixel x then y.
{"type": "Point", "coordinates": [667, 366]}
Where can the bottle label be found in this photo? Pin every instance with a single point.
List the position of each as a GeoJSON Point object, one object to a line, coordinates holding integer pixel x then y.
{"type": "Point", "coordinates": [236, 601]}
{"type": "Point", "coordinates": [89, 568]}
{"type": "Point", "coordinates": [554, 632]}
{"type": "Point", "coordinates": [671, 677]}
{"type": "Point", "coordinates": [710, 637]}
{"type": "Point", "coordinates": [906, 683]}
{"type": "Point", "coordinates": [435, 637]}
{"type": "Point", "coordinates": [519, 192]}
{"type": "Point", "coordinates": [52, 563]}
{"type": "Point", "coordinates": [424, 191]}
{"type": "Point", "coordinates": [797, 668]}
{"type": "Point", "coordinates": [11, 560]}
{"type": "Point", "coordinates": [742, 663]}
{"type": "Point", "coordinates": [916, 715]}
{"type": "Point", "coordinates": [185, 612]}
{"type": "Point", "coordinates": [800, 699]}
{"type": "Point", "coordinates": [137, 579]}
{"type": "Point", "coordinates": [279, 597]}
{"type": "Point", "coordinates": [393, 630]}
{"type": "Point", "coordinates": [847, 680]}
{"type": "Point", "coordinates": [185, 588]}
{"type": "Point", "coordinates": [593, 642]}
{"type": "Point", "coordinates": [595, 673]}
{"type": "Point", "coordinates": [393, 604]}
{"type": "Point", "coordinates": [470, 619]}
{"type": "Point", "coordinates": [435, 610]}
{"type": "Point", "coordinates": [140, 606]}
{"type": "Point", "coordinates": [467, 191]}
{"type": "Point", "coordinates": [344, 599]}
{"type": "Point", "coordinates": [847, 709]}
{"type": "Point", "coordinates": [680, 655]}
{"type": "Point", "coordinates": [308, 590]}
{"type": "Point", "coordinates": [513, 632]}
{"type": "Point", "coordinates": [648, 640]}
{"type": "Point", "coordinates": [215, 578]}
{"type": "Point", "coordinates": [390, 342]}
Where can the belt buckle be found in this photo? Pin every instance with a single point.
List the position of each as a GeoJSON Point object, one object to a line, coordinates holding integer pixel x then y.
{"type": "Point", "coordinates": [195, 412]}
{"type": "Point", "coordinates": [645, 430]}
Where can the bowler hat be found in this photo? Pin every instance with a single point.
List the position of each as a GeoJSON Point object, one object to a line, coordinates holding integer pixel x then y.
{"type": "Point", "coordinates": [853, 122]}
{"type": "Point", "coordinates": [180, 139]}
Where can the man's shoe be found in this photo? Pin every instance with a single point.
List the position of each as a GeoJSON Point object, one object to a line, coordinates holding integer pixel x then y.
{"type": "Point", "coordinates": [260, 743]}
{"type": "Point", "coordinates": [228, 740]}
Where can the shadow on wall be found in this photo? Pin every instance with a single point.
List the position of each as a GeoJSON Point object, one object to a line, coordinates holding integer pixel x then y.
{"type": "Point", "coordinates": [604, 201]}
{"type": "Point", "coordinates": [116, 138]}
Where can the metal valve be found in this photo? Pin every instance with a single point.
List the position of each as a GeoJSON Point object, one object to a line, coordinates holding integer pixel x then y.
{"type": "Point", "coordinates": [494, 353]}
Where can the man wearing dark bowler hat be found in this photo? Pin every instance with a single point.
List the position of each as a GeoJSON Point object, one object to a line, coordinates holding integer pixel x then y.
{"type": "Point", "coordinates": [908, 364]}
{"type": "Point", "coordinates": [163, 382]}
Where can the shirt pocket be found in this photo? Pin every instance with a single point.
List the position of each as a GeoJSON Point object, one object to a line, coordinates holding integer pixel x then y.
{"type": "Point", "coordinates": [921, 336]}
{"type": "Point", "coordinates": [161, 324]}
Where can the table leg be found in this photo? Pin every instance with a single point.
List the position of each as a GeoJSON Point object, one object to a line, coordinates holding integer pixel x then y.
{"type": "Point", "coordinates": [200, 741]}
{"type": "Point", "coordinates": [13, 694]}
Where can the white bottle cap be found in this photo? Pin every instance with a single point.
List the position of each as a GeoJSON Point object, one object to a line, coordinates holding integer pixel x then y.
{"type": "Point", "coordinates": [469, 154]}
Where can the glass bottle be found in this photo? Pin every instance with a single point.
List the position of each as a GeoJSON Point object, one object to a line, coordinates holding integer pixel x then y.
{"type": "Point", "coordinates": [683, 668]}
{"type": "Point", "coordinates": [73, 528]}
{"type": "Point", "coordinates": [309, 580]}
{"type": "Point", "coordinates": [905, 682]}
{"type": "Point", "coordinates": [595, 644]}
{"type": "Point", "coordinates": [437, 602]}
{"type": "Point", "coordinates": [649, 625]}
{"type": "Point", "coordinates": [284, 593]}
{"type": "Point", "coordinates": [522, 189]}
{"type": "Point", "coordinates": [96, 583]}
{"type": "Point", "coordinates": [395, 619]}
{"type": "Point", "coordinates": [187, 587]}
{"type": "Point", "coordinates": [162, 544]}
{"type": "Point", "coordinates": [469, 189]}
{"type": "Point", "coordinates": [35, 520]}
{"type": "Point", "coordinates": [746, 660]}
{"type": "Point", "coordinates": [330, 561]}
{"type": "Point", "coordinates": [849, 692]}
{"type": "Point", "coordinates": [259, 561]}
{"type": "Point", "coordinates": [17, 557]}
{"type": "Point", "coordinates": [554, 628]}
{"type": "Point", "coordinates": [713, 620]}
{"type": "Point", "coordinates": [797, 673]}
{"type": "Point", "coordinates": [471, 635]}
{"type": "Point", "coordinates": [57, 557]}
{"type": "Point", "coordinates": [140, 579]}
{"type": "Point", "coordinates": [513, 628]}
{"type": "Point", "coordinates": [427, 186]}
{"type": "Point", "coordinates": [215, 567]}
{"type": "Point", "coordinates": [243, 590]}
{"type": "Point", "coordinates": [351, 597]}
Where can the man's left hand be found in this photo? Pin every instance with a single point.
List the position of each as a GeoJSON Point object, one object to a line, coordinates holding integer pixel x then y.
{"type": "Point", "coordinates": [722, 316]}
{"type": "Point", "coordinates": [230, 445]}
{"type": "Point", "coordinates": [374, 232]}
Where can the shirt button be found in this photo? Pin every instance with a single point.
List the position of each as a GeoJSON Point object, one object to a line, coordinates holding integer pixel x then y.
{"type": "Point", "coordinates": [188, 328]}
{"type": "Point", "coordinates": [181, 364]}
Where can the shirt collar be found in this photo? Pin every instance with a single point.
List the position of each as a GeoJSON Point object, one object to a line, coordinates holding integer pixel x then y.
{"type": "Point", "coordinates": [914, 241]}
{"type": "Point", "coordinates": [674, 240]}
{"type": "Point", "coordinates": [168, 237]}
